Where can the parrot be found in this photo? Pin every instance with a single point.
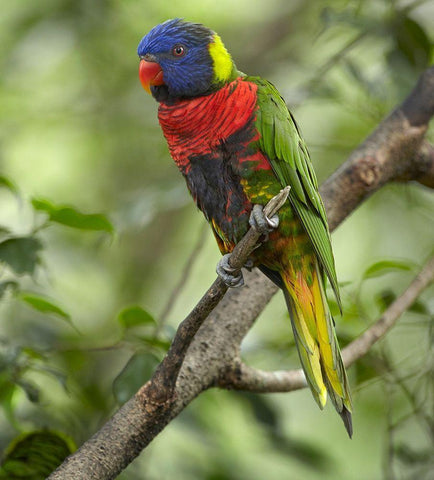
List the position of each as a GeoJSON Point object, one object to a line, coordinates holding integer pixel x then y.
{"type": "Point", "coordinates": [237, 145]}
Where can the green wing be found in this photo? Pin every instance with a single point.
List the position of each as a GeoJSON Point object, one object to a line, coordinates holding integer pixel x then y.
{"type": "Point", "coordinates": [289, 158]}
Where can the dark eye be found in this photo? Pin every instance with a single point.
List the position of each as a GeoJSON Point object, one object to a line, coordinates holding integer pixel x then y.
{"type": "Point", "coordinates": [178, 50]}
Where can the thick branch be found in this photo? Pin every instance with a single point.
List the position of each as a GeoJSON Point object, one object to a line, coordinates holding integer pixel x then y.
{"type": "Point", "coordinates": [394, 151]}
{"type": "Point", "coordinates": [422, 167]}
{"type": "Point", "coordinates": [161, 387]}
{"type": "Point", "coordinates": [243, 377]}
{"type": "Point", "coordinates": [153, 406]}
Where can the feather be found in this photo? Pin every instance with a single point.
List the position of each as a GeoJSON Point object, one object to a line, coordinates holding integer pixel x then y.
{"type": "Point", "coordinates": [315, 338]}
{"type": "Point", "coordinates": [291, 164]}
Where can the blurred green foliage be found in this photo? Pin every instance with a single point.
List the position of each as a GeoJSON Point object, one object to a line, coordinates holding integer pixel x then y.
{"type": "Point", "coordinates": [96, 227]}
{"type": "Point", "coordinates": [33, 456]}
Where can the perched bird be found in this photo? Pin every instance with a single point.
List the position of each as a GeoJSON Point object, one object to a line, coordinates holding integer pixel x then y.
{"type": "Point", "coordinates": [236, 144]}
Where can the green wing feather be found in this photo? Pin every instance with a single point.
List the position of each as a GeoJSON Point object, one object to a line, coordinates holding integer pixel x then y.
{"type": "Point", "coordinates": [282, 143]}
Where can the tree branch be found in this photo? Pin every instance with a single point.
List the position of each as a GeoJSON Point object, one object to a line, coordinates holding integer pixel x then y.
{"type": "Point", "coordinates": [153, 403]}
{"type": "Point", "coordinates": [242, 377]}
{"type": "Point", "coordinates": [422, 167]}
{"type": "Point", "coordinates": [162, 384]}
{"type": "Point", "coordinates": [394, 151]}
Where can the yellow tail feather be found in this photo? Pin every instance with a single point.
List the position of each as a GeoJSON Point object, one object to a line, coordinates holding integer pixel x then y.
{"type": "Point", "coordinates": [316, 339]}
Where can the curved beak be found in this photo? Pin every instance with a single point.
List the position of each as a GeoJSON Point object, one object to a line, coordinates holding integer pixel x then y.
{"type": "Point", "coordinates": [150, 74]}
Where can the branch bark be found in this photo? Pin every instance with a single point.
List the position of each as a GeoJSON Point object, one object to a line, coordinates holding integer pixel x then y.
{"type": "Point", "coordinates": [242, 377]}
{"type": "Point", "coordinates": [395, 151]}
{"type": "Point", "coordinates": [161, 387]}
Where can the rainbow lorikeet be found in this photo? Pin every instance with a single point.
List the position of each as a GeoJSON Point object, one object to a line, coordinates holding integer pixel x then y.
{"type": "Point", "coordinates": [236, 144]}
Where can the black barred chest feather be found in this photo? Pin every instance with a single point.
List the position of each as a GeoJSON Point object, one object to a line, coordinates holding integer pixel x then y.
{"type": "Point", "coordinates": [217, 178]}
{"type": "Point", "coordinates": [218, 192]}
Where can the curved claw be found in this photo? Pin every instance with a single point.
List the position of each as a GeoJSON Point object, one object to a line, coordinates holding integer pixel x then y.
{"type": "Point", "coordinates": [261, 222]}
{"type": "Point", "coordinates": [249, 264]}
{"type": "Point", "coordinates": [226, 273]}
{"type": "Point", "coordinates": [273, 222]}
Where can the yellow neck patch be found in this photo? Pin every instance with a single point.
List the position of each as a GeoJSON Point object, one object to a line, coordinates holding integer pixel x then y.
{"type": "Point", "coordinates": [223, 64]}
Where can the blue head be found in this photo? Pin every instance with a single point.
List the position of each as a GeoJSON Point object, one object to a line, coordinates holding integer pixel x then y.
{"type": "Point", "coordinates": [181, 59]}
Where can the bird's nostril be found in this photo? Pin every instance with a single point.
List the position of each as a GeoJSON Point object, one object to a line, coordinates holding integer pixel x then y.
{"type": "Point", "coordinates": [148, 57]}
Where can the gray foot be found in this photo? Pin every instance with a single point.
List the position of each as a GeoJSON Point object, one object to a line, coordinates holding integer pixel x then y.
{"type": "Point", "coordinates": [226, 273]}
{"type": "Point", "coordinates": [261, 222]}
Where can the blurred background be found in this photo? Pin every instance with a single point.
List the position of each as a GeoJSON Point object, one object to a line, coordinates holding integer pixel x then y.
{"type": "Point", "coordinates": [97, 231]}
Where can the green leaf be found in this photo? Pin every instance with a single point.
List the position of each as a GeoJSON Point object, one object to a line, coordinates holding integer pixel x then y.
{"type": "Point", "coordinates": [43, 305]}
{"type": "Point", "coordinates": [8, 285]}
{"type": "Point", "coordinates": [7, 391]}
{"type": "Point", "coordinates": [5, 231]}
{"type": "Point", "coordinates": [31, 390]}
{"type": "Point", "coordinates": [136, 372]}
{"type": "Point", "coordinates": [153, 341]}
{"type": "Point", "coordinates": [334, 307]}
{"type": "Point", "coordinates": [33, 456]}
{"type": "Point", "coordinates": [412, 42]}
{"type": "Point", "coordinates": [21, 254]}
{"type": "Point", "coordinates": [69, 216]}
{"type": "Point", "coordinates": [135, 316]}
{"type": "Point", "coordinates": [58, 375]}
{"type": "Point", "coordinates": [6, 183]}
{"type": "Point", "coordinates": [385, 298]}
{"type": "Point", "coordinates": [366, 369]}
{"type": "Point", "coordinates": [419, 307]}
{"type": "Point", "coordinates": [386, 266]}
{"type": "Point", "coordinates": [32, 353]}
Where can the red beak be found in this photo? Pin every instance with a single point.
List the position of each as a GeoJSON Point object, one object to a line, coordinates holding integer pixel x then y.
{"type": "Point", "coordinates": [150, 74]}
